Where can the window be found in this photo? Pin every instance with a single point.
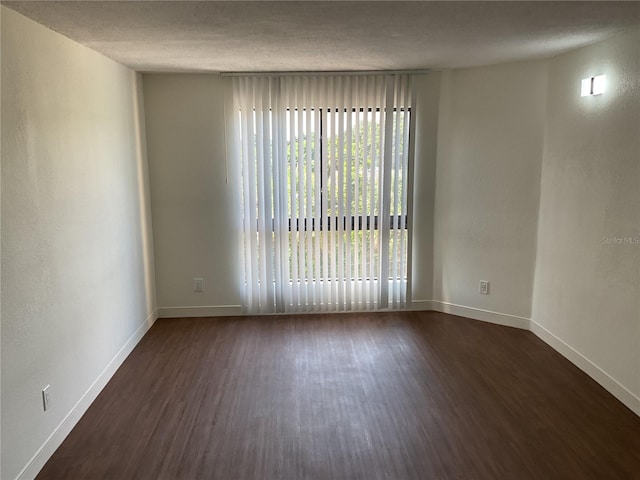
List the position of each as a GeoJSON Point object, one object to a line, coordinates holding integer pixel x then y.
{"type": "Point", "coordinates": [325, 196]}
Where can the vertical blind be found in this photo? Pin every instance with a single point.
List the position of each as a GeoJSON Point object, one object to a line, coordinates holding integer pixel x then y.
{"type": "Point", "coordinates": [326, 164]}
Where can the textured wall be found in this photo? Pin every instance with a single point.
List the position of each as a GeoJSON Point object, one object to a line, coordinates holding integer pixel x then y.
{"type": "Point", "coordinates": [428, 94]}
{"type": "Point", "coordinates": [587, 285]}
{"type": "Point", "coordinates": [77, 281]}
{"type": "Point", "coordinates": [196, 219]}
{"type": "Point", "coordinates": [487, 185]}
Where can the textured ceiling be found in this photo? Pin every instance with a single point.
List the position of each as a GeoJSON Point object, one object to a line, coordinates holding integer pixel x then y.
{"type": "Point", "coordinates": [319, 36]}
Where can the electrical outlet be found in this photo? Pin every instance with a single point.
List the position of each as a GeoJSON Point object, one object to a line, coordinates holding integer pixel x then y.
{"type": "Point", "coordinates": [46, 397]}
{"type": "Point", "coordinates": [484, 287]}
{"type": "Point", "coordinates": [198, 284]}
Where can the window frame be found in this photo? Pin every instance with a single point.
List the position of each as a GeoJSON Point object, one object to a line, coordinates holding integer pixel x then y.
{"type": "Point", "coordinates": [396, 222]}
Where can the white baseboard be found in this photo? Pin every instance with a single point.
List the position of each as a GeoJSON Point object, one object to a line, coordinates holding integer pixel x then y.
{"type": "Point", "coordinates": [30, 471]}
{"type": "Point", "coordinates": [236, 310]}
{"type": "Point", "coordinates": [504, 319]}
{"type": "Point", "coordinates": [211, 311]}
{"type": "Point", "coordinates": [587, 366]}
{"type": "Point", "coordinates": [421, 305]}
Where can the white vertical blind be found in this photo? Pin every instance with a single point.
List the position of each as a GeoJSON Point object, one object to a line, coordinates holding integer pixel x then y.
{"type": "Point", "coordinates": [326, 166]}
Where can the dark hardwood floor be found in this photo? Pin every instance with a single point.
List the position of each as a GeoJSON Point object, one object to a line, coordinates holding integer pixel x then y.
{"type": "Point", "coordinates": [392, 396]}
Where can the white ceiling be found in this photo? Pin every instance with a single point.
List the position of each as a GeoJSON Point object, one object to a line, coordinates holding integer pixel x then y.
{"type": "Point", "coordinates": [209, 36]}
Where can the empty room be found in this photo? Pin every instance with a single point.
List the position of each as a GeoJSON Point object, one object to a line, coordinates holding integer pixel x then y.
{"type": "Point", "coordinates": [376, 240]}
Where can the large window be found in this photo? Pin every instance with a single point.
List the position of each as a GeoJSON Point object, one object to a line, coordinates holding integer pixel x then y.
{"type": "Point", "coordinates": [325, 165]}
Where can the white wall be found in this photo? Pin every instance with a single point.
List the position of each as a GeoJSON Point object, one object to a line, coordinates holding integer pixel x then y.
{"type": "Point", "coordinates": [587, 287]}
{"type": "Point", "coordinates": [195, 213]}
{"type": "Point", "coordinates": [490, 135]}
{"type": "Point", "coordinates": [77, 281]}
{"type": "Point", "coordinates": [428, 94]}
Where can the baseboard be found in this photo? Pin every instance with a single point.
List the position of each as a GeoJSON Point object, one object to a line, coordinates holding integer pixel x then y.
{"type": "Point", "coordinates": [416, 305]}
{"type": "Point", "coordinates": [236, 310]}
{"type": "Point", "coordinates": [579, 360]}
{"type": "Point", "coordinates": [504, 319]}
{"type": "Point", "coordinates": [210, 311]}
{"type": "Point", "coordinates": [421, 305]}
{"type": "Point", "coordinates": [30, 471]}
{"type": "Point", "coordinates": [587, 366]}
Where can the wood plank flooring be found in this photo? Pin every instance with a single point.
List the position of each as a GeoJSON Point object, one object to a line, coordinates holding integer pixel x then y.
{"type": "Point", "coordinates": [393, 396]}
